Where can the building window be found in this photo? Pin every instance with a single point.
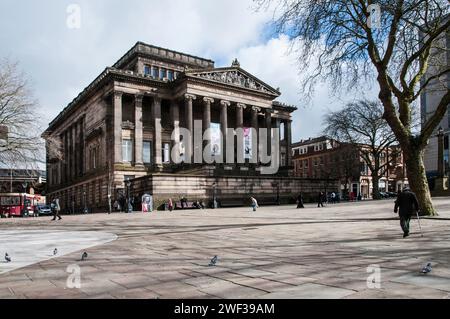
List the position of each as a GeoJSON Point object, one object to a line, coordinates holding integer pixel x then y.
{"type": "Point", "coordinates": [127, 149]}
{"type": "Point", "coordinates": [166, 153]}
{"type": "Point", "coordinates": [162, 73]}
{"type": "Point", "coordinates": [170, 75]}
{"type": "Point", "coordinates": [147, 152]}
{"type": "Point", "coordinates": [155, 71]}
{"type": "Point", "coordinates": [147, 70]}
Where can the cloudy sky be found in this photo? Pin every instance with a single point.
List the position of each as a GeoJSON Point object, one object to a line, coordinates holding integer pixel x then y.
{"type": "Point", "coordinates": [61, 61]}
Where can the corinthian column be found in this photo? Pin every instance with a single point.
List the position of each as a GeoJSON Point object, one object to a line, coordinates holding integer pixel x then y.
{"type": "Point", "coordinates": [117, 111]}
{"type": "Point", "coordinates": [189, 98]}
{"type": "Point", "coordinates": [240, 115]}
{"type": "Point", "coordinates": [288, 138]}
{"type": "Point", "coordinates": [224, 124]}
{"type": "Point", "coordinates": [269, 131]}
{"type": "Point", "coordinates": [207, 101]}
{"type": "Point", "coordinates": [138, 130]}
{"type": "Point", "coordinates": [157, 133]}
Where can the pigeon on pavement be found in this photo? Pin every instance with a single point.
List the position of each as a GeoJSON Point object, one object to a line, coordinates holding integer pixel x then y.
{"type": "Point", "coordinates": [7, 258]}
{"type": "Point", "coordinates": [427, 269]}
{"type": "Point", "coordinates": [213, 261]}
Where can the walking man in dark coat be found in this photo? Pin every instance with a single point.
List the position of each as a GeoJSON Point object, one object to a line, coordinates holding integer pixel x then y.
{"type": "Point", "coordinates": [300, 201]}
{"type": "Point", "coordinates": [320, 200]}
{"type": "Point", "coordinates": [406, 205]}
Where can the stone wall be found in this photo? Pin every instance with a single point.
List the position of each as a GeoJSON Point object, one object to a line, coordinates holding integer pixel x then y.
{"type": "Point", "coordinates": [230, 190]}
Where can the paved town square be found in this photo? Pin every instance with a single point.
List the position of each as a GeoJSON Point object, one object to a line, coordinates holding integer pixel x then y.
{"type": "Point", "coordinates": [275, 252]}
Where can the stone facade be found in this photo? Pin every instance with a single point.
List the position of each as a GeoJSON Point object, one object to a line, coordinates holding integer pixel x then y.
{"type": "Point", "coordinates": [120, 127]}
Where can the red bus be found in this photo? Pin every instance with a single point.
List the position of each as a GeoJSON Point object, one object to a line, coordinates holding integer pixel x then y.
{"type": "Point", "coordinates": [19, 204]}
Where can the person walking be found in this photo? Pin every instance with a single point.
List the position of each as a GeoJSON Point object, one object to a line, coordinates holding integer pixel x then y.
{"type": "Point", "coordinates": [300, 201]}
{"type": "Point", "coordinates": [254, 203]}
{"type": "Point", "coordinates": [56, 209]}
{"type": "Point", "coordinates": [406, 205]}
{"type": "Point", "coordinates": [170, 205]}
{"type": "Point", "coordinates": [320, 200]}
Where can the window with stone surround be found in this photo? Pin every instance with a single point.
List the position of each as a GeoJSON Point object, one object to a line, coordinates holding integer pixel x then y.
{"type": "Point", "coordinates": [155, 71]}
{"type": "Point", "coordinates": [147, 152]}
{"type": "Point", "coordinates": [170, 75]}
{"type": "Point", "coordinates": [127, 150]}
{"type": "Point", "coordinates": [162, 73]}
{"type": "Point", "coordinates": [166, 153]}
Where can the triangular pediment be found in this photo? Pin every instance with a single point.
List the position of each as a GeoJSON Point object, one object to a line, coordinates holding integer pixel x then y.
{"type": "Point", "coordinates": [234, 76]}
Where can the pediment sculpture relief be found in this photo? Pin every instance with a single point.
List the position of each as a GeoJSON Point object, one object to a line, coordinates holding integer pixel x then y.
{"type": "Point", "coordinates": [235, 78]}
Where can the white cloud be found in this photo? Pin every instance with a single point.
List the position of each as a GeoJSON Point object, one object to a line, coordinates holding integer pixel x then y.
{"type": "Point", "coordinates": [63, 61]}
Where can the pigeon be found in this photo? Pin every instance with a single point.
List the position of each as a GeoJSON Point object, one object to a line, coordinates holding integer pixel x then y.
{"type": "Point", "coordinates": [427, 269]}
{"type": "Point", "coordinates": [7, 258]}
{"type": "Point", "coordinates": [55, 252]}
{"type": "Point", "coordinates": [213, 261]}
{"type": "Point", "coordinates": [84, 256]}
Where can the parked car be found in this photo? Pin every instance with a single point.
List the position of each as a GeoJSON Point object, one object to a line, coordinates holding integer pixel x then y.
{"type": "Point", "coordinates": [42, 209]}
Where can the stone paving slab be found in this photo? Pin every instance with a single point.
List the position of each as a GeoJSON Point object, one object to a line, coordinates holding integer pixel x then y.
{"type": "Point", "coordinates": [277, 252]}
{"type": "Point", "coordinates": [428, 281]}
{"type": "Point", "coordinates": [310, 291]}
{"type": "Point", "coordinates": [28, 247]}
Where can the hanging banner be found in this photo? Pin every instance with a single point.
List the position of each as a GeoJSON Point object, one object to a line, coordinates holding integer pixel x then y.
{"type": "Point", "coordinates": [216, 141]}
{"type": "Point", "coordinates": [247, 143]}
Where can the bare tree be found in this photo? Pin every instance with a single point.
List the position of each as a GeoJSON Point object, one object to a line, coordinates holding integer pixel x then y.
{"type": "Point", "coordinates": [350, 41]}
{"type": "Point", "coordinates": [19, 119]}
{"type": "Point", "coordinates": [361, 124]}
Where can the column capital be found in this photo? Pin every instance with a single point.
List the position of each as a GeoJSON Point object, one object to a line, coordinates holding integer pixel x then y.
{"type": "Point", "coordinates": [256, 109]}
{"type": "Point", "coordinates": [208, 100]}
{"type": "Point", "coordinates": [190, 97]}
{"type": "Point", "coordinates": [156, 99]}
{"type": "Point", "coordinates": [241, 105]}
{"type": "Point", "coordinates": [138, 98]}
{"type": "Point", "coordinates": [225, 103]}
{"type": "Point", "coordinates": [118, 94]}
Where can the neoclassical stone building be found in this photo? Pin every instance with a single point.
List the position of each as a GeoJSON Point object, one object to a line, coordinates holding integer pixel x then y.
{"type": "Point", "coordinates": [120, 127]}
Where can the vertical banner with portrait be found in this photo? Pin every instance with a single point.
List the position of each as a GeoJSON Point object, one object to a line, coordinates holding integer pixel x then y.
{"type": "Point", "coordinates": [247, 143]}
{"type": "Point", "coordinates": [216, 142]}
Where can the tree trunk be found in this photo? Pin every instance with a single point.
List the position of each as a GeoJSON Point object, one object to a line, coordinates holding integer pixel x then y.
{"type": "Point", "coordinates": [417, 178]}
{"type": "Point", "coordinates": [375, 188]}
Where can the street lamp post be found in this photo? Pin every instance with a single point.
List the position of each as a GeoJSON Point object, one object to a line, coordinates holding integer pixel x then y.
{"type": "Point", "coordinates": [109, 203]}
{"type": "Point", "coordinates": [85, 210]}
{"type": "Point", "coordinates": [25, 185]}
{"type": "Point", "coordinates": [214, 185]}
{"type": "Point", "coordinates": [441, 180]}
{"type": "Point", "coordinates": [440, 136]}
{"type": "Point", "coordinates": [129, 208]}
{"type": "Point", "coordinates": [277, 185]}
